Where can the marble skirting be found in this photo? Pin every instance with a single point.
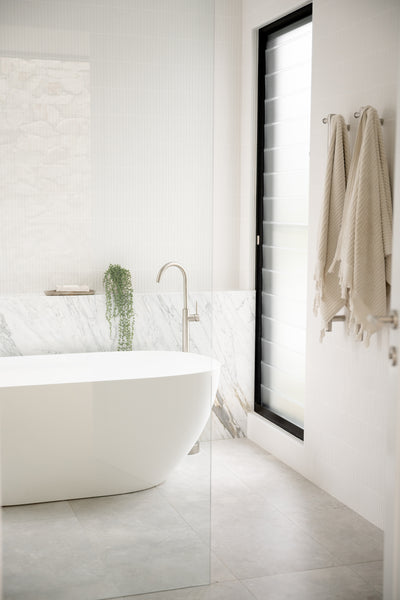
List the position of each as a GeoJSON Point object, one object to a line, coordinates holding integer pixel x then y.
{"type": "Point", "coordinates": [34, 324]}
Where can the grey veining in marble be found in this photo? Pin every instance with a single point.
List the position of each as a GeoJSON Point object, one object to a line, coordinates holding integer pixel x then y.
{"type": "Point", "coordinates": [34, 324]}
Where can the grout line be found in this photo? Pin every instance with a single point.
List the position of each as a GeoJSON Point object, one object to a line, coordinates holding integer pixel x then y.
{"type": "Point", "coordinates": [378, 587]}
{"type": "Point", "coordinates": [324, 544]}
{"type": "Point", "coordinates": [312, 537]}
{"type": "Point", "coordinates": [372, 587]}
{"type": "Point", "coordinates": [248, 590]}
{"type": "Point", "coordinates": [283, 573]}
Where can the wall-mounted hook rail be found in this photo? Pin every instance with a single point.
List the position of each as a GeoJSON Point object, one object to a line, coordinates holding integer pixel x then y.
{"type": "Point", "coordinates": [325, 121]}
{"type": "Point", "coordinates": [335, 319]}
{"type": "Point", "coordinates": [358, 113]}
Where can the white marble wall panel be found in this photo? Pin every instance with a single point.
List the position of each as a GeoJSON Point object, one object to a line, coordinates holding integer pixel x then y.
{"type": "Point", "coordinates": [34, 324]}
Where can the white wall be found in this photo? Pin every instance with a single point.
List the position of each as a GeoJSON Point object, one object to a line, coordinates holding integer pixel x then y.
{"type": "Point", "coordinates": [154, 155]}
{"type": "Point", "coordinates": [45, 172]}
{"type": "Point", "coordinates": [151, 139]}
{"type": "Point", "coordinates": [227, 107]}
{"type": "Point", "coordinates": [355, 57]}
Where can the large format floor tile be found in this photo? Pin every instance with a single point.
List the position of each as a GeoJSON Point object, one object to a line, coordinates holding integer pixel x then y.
{"type": "Point", "coordinates": [265, 542]}
{"type": "Point", "coordinates": [106, 547]}
{"type": "Point", "coordinates": [36, 512]}
{"type": "Point", "coordinates": [372, 573]}
{"type": "Point", "coordinates": [274, 535]}
{"type": "Point", "coordinates": [337, 583]}
{"type": "Point", "coordinates": [349, 537]}
{"type": "Point", "coordinates": [233, 590]}
{"type": "Point", "coordinates": [51, 559]}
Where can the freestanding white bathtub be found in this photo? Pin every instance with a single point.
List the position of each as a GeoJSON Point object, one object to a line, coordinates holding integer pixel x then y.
{"type": "Point", "coordinates": [82, 425]}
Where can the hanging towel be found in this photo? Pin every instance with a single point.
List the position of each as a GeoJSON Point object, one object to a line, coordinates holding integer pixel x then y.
{"type": "Point", "coordinates": [365, 241]}
{"type": "Point", "coordinates": [328, 298]}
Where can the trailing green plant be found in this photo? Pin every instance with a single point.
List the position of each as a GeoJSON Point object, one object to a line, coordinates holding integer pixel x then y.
{"type": "Point", "coordinates": [119, 304]}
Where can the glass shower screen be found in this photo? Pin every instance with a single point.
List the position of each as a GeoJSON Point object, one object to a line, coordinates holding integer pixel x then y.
{"type": "Point", "coordinates": [106, 135]}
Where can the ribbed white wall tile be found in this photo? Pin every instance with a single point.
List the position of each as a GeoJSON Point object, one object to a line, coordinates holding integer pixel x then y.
{"type": "Point", "coordinates": [46, 160]}
{"type": "Point", "coordinates": [113, 161]}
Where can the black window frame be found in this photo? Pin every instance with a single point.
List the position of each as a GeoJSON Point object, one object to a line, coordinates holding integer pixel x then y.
{"type": "Point", "coordinates": [263, 33]}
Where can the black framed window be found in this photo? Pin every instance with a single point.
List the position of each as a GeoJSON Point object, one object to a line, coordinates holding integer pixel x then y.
{"type": "Point", "coordinates": [284, 98]}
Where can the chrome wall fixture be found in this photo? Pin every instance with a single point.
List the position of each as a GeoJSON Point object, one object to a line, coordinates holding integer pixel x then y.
{"type": "Point", "coordinates": [358, 114]}
{"type": "Point", "coordinates": [326, 120]}
{"type": "Point", "coordinates": [391, 319]}
{"type": "Point", "coordinates": [335, 319]}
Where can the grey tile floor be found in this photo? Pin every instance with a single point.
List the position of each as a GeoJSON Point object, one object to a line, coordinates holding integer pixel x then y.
{"type": "Point", "coordinates": [274, 536]}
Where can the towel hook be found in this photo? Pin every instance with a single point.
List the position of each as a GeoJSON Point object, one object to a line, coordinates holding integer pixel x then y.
{"type": "Point", "coordinates": [335, 319]}
{"type": "Point", "coordinates": [358, 114]}
{"type": "Point", "coordinates": [325, 120]}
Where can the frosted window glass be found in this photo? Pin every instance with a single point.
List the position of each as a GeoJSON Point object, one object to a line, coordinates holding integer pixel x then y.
{"type": "Point", "coordinates": [288, 236]}
{"type": "Point", "coordinates": [289, 336]}
{"type": "Point", "coordinates": [290, 81]}
{"type": "Point", "coordinates": [281, 404]}
{"type": "Point", "coordinates": [284, 382]}
{"type": "Point", "coordinates": [285, 220]}
{"type": "Point", "coordinates": [291, 184]}
{"type": "Point", "coordinates": [285, 260]}
{"type": "Point", "coordinates": [285, 211]}
{"type": "Point", "coordinates": [282, 159]}
{"type": "Point", "coordinates": [286, 133]}
{"type": "Point", "coordinates": [286, 55]}
{"type": "Point", "coordinates": [280, 109]}
{"type": "Point", "coordinates": [278, 355]}
{"type": "Point", "coordinates": [285, 310]}
{"type": "Point", "coordinates": [289, 285]}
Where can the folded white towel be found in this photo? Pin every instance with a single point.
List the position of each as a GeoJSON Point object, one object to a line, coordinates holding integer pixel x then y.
{"type": "Point", "coordinates": [365, 241]}
{"type": "Point", "coordinates": [328, 298]}
{"type": "Point", "coordinates": [72, 288]}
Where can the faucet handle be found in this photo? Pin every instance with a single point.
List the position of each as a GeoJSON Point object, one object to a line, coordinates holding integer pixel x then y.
{"type": "Point", "coordinates": [195, 316]}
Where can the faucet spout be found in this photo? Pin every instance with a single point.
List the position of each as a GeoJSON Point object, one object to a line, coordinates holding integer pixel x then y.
{"type": "Point", "coordinates": [182, 270]}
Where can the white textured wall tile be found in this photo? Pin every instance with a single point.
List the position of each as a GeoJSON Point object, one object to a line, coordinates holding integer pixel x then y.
{"type": "Point", "coordinates": [45, 179]}
{"type": "Point", "coordinates": [115, 169]}
{"type": "Point", "coordinates": [227, 100]}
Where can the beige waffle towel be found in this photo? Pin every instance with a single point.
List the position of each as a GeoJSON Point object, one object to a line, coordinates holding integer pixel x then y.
{"type": "Point", "coordinates": [365, 241]}
{"type": "Point", "coordinates": [328, 298]}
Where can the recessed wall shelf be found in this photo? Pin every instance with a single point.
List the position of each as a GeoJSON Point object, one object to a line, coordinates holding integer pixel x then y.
{"type": "Point", "coordinates": [55, 293]}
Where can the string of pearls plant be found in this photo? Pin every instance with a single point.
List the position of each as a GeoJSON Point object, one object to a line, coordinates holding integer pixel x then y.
{"type": "Point", "coordinates": [119, 305]}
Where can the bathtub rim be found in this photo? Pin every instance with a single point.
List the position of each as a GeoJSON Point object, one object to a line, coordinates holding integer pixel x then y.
{"type": "Point", "coordinates": [55, 369]}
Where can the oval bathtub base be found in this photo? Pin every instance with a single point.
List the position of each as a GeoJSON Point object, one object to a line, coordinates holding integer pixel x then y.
{"type": "Point", "coordinates": [76, 440]}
